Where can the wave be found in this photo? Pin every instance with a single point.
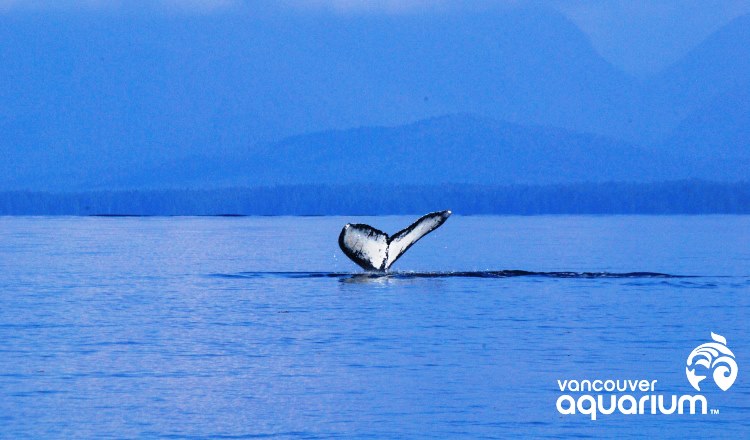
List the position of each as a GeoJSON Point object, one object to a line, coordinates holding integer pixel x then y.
{"type": "Point", "coordinates": [449, 274]}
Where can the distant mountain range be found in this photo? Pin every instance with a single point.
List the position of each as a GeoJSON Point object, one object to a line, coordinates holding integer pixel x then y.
{"type": "Point", "coordinates": [494, 98]}
{"type": "Point", "coordinates": [448, 149]}
{"type": "Point", "coordinates": [709, 74]}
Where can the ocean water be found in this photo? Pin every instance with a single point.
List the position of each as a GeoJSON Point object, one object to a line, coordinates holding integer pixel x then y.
{"type": "Point", "coordinates": [260, 327]}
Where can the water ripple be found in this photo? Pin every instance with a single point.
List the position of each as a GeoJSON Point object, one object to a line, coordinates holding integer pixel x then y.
{"type": "Point", "coordinates": [451, 274]}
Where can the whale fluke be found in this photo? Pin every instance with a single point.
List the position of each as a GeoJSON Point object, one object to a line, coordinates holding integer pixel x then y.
{"type": "Point", "coordinates": [374, 250]}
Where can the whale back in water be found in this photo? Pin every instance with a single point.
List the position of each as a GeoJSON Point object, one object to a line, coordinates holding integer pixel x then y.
{"type": "Point", "coordinates": [374, 250]}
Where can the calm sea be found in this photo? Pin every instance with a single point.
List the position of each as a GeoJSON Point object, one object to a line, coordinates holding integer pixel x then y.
{"type": "Point", "coordinates": [259, 327]}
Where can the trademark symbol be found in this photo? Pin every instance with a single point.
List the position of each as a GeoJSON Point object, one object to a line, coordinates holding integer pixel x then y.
{"type": "Point", "coordinates": [714, 411]}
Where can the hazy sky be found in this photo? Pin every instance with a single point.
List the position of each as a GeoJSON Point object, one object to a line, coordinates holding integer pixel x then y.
{"type": "Point", "coordinates": [639, 36]}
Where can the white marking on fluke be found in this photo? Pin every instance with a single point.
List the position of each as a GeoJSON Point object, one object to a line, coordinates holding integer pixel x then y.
{"type": "Point", "coordinates": [373, 249]}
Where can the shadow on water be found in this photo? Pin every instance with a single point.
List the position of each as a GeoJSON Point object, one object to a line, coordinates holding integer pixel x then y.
{"type": "Point", "coordinates": [361, 276]}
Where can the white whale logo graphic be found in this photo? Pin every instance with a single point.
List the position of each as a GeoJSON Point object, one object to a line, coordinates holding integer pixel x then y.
{"type": "Point", "coordinates": [713, 356]}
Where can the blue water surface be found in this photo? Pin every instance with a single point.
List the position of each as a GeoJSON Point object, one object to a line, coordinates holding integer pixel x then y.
{"type": "Point", "coordinates": [257, 327]}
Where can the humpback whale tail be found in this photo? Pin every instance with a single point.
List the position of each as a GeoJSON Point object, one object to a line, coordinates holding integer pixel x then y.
{"type": "Point", "coordinates": [374, 250]}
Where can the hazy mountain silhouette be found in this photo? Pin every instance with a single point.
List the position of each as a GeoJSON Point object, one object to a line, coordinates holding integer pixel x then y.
{"type": "Point", "coordinates": [708, 74]}
{"type": "Point", "coordinates": [199, 101]}
{"type": "Point", "coordinates": [449, 149]}
{"type": "Point", "coordinates": [717, 134]}
{"type": "Point", "coordinates": [127, 90]}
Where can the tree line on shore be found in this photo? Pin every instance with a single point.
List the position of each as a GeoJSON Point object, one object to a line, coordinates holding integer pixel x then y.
{"type": "Point", "coordinates": [676, 197]}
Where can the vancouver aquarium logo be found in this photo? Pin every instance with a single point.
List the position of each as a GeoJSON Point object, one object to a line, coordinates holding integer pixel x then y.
{"type": "Point", "coordinates": [713, 357]}
{"type": "Point", "coordinates": [606, 396]}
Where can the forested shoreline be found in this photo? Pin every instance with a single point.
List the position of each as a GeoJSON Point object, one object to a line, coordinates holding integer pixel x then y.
{"type": "Point", "coordinates": [677, 197]}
